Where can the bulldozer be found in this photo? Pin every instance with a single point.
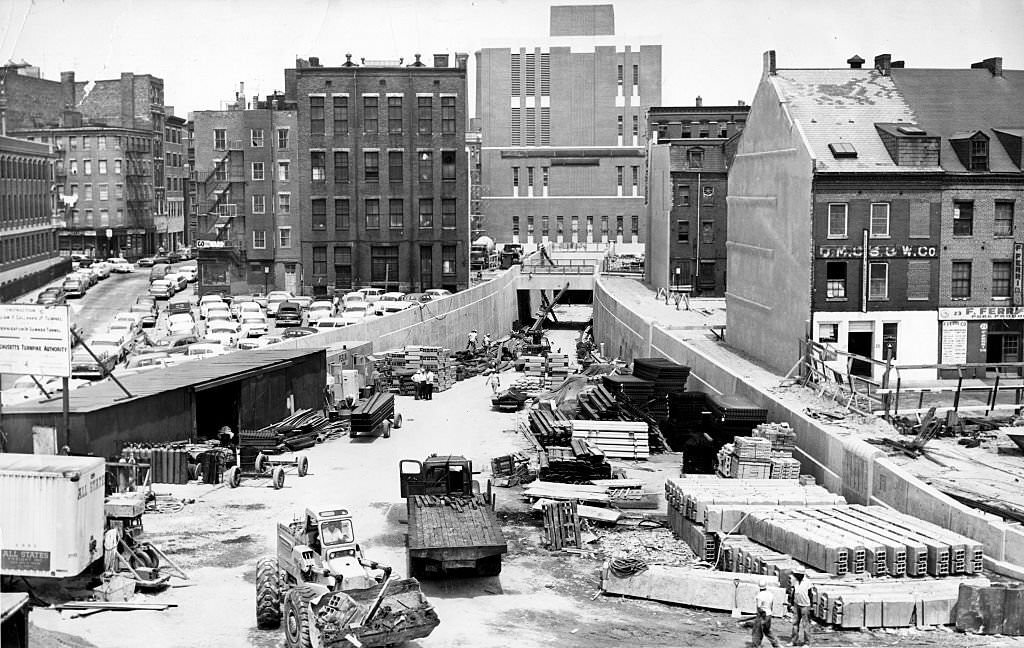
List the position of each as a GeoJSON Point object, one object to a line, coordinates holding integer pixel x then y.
{"type": "Point", "coordinates": [327, 594]}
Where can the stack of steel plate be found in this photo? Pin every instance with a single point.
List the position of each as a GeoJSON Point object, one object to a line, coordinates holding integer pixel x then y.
{"type": "Point", "coordinates": [668, 377]}
{"type": "Point", "coordinates": [370, 413]}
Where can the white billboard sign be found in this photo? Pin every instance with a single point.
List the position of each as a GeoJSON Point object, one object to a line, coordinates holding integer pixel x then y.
{"type": "Point", "coordinates": [35, 340]}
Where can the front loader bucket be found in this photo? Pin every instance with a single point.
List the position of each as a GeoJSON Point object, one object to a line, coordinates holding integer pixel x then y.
{"type": "Point", "coordinates": [404, 614]}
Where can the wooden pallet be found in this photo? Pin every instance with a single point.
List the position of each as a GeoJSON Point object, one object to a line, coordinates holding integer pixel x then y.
{"type": "Point", "coordinates": [562, 525]}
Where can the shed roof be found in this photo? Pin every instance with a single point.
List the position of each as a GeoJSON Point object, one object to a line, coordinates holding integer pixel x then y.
{"type": "Point", "coordinates": [194, 373]}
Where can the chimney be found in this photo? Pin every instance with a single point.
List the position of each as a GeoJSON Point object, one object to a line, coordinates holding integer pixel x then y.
{"type": "Point", "coordinates": [314, 61]}
{"type": "Point", "coordinates": [348, 61]}
{"type": "Point", "coordinates": [67, 89]}
{"type": "Point", "coordinates": [883, 63]}
{"type": "Point", "coordinates": [700, 101]}
{"type": "Point", "coordinates": [417, 62]}
{"type": "Point", "coordinates": [740, 102]}
{"type": "Point", "coordinates": [440, 60]}
{"type": "Point", "coordinates": [993, 65]}
{"type": "Point", "coordinates": [856, 62]}
{"type": "Point", "coordinates": [460, 60]}
{"type": "Point", "coordinates": [769, 63]}
{"type": "Point", "coordinates": [898, 65]}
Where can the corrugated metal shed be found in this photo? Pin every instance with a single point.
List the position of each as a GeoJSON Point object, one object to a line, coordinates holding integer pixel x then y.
{"type": "Point", "coordinates": [198, 374]}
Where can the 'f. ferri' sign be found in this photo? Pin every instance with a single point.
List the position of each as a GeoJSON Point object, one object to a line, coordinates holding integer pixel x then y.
{"type": "Point", "coordinates": [878, 251]}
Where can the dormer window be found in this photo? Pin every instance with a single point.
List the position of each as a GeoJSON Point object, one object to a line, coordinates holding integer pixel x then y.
{"type": "Point", "coordinates": [972, 149]}
{"type": "Point", "coordinates": [695, 158]}
{"type": "Point", "coordinates": [979, 155]}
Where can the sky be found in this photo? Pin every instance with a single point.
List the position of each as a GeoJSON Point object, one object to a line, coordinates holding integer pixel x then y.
{"type": "Point", "coordinates": [713, 48]}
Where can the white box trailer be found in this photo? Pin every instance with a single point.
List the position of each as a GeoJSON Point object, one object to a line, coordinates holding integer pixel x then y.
{"type": "Point", "coordinates": [51, 514]}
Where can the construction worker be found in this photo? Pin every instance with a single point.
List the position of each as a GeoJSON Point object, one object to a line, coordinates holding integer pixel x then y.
{"type": "Point", "coordinates": [417, 381]}
{"type": "Point", "coordinates": [494, 381]}
{"type": "Point", "coordinates": [801, 608]}
{"type": "Point", "coordinates": [471, 343]}
{"type": "Point", "coordinates": [763, 616]}
{"type": "Point", "coordinates": [428, 384]}
{"type": "Point", "coordinates": [487, 340]}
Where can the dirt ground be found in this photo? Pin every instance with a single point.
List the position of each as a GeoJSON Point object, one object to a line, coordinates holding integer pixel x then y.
{"type": "Point", "coordinates": [540, 599]}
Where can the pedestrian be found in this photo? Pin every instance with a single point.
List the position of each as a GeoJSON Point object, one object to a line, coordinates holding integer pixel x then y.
{"type": "Point", "coordinates": [471, 343]}
{"type": "Point", "coordinates": [802, 608]}
{"type": "Point", "coordinates": [763, 616]}
{"type": "Point", "coordinates": [428, 384]}
{"type": "Point", "coordinates": [487, 340]}
{"type": "Point", "coordinates": [494, 381]}
{"type": "Point", "coordinates": [417, 381]}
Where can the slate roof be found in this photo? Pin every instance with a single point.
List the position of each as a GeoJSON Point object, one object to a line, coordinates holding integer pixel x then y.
{"type": "Point", "coordinates": [843, 105]}
{"type": "Point", "coordinates": [948, 102]}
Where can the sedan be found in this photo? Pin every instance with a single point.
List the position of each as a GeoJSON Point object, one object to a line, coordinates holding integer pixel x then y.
{"type": "Point", "coordinates": [102, 269]}
{"type": "Point", "coordinates": [318, 310]}
{"type": "Point", "coordinates": [52, 296]}
{"type": "Point", "coordinates": [191, 272]}
{"type": "Point", "coordinates": [146, 311]}
{"type": "Point", "coordinates": [253, 325]}
{"type": "Point", "coordinates": [274, 299]}
{"type": "Point", "coordinates": [331, 322]}
{"type": "Point", "coordinates": [179, 280]}
{"type": "Point", "coordinates": [146, 262]}
{"type": "Point", "coordinates": [298, 331]}
{"type": "Point", "coordinates": [438, 293]}
{"type": "Point", "coordinates": [224, 332]}
{"type": "Point", "coordinates": [161, 289]}
{"type": "Point", "coordinates": [181, 324]}
{"type": "Point", "coordinates": [170, 344]}
{"type": "Point", "coordinates": [207, 301]}
{"type": "Point", "coordinates": [119, 265]}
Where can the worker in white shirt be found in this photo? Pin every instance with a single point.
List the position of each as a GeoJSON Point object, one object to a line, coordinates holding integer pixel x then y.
{"type": "Point", "coordinates": [471, 341]}
{"type": "Point", "coordinates": [418, 380]}
{"type": "Point", "coordinates": [763, 616]}
{"type": "Point", "coordinates": [428, 384]}
{"type": "Point", "coordinates": [801, 608]}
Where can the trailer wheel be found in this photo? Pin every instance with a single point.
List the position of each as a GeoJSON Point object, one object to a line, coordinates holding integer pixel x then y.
{"type": "Point", "coordinates": [398, 421]}
{"type": "Point", "coordinates": [296, 621]}
{"type": "Point", "coordinates": [233, 477]}
{"type": "Point", "coordinates": [387, 429]}
{"type": "Point", "coordinates": [489, 566]}
{"type": "Point", "coordinates": [278, 476]}
{"type": "Point", "coordinates": [261, 463]}
{"type": "Point", "coordinates": [268, 594]}
{"type": "Point", "coordinates": [303, 465]}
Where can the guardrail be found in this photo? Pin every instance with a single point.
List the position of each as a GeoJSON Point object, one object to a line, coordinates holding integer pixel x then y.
{"type": "Point", "coordinates": [560, 269]}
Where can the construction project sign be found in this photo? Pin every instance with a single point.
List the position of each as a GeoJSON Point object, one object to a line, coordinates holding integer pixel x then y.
{"type": "Point", "coordinates": [35, 340]}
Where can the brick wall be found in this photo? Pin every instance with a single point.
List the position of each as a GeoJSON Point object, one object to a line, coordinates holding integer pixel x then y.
{"type": "Point", "coordinates": [32, 102]}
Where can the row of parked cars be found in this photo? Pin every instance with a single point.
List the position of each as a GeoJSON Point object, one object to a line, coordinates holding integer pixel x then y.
{"type": "Point", "coordinates": [166, 282]}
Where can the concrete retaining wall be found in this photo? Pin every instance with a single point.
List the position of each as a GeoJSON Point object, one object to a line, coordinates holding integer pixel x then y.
{"type": "Point", "coordinates": [849, 466]}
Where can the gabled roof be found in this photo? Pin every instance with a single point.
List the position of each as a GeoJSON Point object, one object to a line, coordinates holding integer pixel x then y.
{"type": "Point", "coordinates": [951, 102]}
{"type": "Point", "coordinates": [842, 107]}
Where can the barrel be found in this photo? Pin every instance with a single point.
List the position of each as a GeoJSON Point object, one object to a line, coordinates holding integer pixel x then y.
{"type": "Point", "coordinates": [968, 608]}
{"type": "Point", "coordinates": [993, 608]}
{"type": "Point", "coordinates": [1013, 616]}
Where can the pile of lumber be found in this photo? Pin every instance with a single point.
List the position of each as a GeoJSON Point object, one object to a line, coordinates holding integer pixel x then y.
{"type": "Point", "coordinates": [550, 426]}
{"type": "Point", "coordinates": [370, 413]}
{"type": "Point", "coordinates": [531, 385]}
{"type": "Point", "coordinates": [596, 403]}
{"type": "Point", "coordinates": [511, 470]}
{"type": "Point", "coordinates": [303, 429]}
{"type": "Point", "coordinates": [637, 390]}
{"type": "Point", "coordinates": [579, 462]}
{"type": "Point", "coordinates": [401, 364]}
{"type": "Point", "coordinates": [766, 454]}
{"type": "Point", "coordinates": [668, 377]}
{"type": "Point", "coordinates": [556, 491]}
{"type": "Point", "coordinates": [617, 439]}
{"type": "Point", "coordinates": [455, 502]}
{"type": "Point", "coordinates": [510, 400]}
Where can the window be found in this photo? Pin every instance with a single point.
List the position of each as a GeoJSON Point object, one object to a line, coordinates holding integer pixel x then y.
{"type": "Point", "coordinates": [101, 167]}
{"type": "Point", "coordinates": [342, 214]}
{"type": "Point", "coordinates": [618, 77]}
{"type": "Point", "coordinates": [426, 165]}
{"type": "Point", "coordinates": [259, 204]}
{"type": "Point", "coordinates": [515, 181]}
{"type": "Point", "coordinates": [384, 263]}
{"type": "Point", "coordinates": [919, 280]}
{"type": "Point", "coordinates": [316, 115]}
{"type": "Point", "coordinates": [370, 114]}
{"type": "Point", "coordinates": [619, 127]}
{"type": "Point", "coordinates": [371, 166]}
{"type": "Point", "coordinates": [1004, 218]}
{"type": "Point", "coordinates": [282, 138]}
{"type": "Point", "coordinates": [283, 172]}
{"type": "Point", "coordinates": [448, 166]}
{"type": "Point", "coordinates": [87, 192]}
{"type": "Point", "coordinates": [545, 173]}
{"type": "Point", "coordinates": [284, 203]}
{"type": "Point", "coordinates": [960, 282]}
{"type": "Point", "coordinates": [835, 280]}
{"type": "Point", "coordinates": [545, 225]}
{"type": "Point", "coordinates": [119, 191]}
{"type": "Point", "coordinates": [604, 226]}
{"type": "Point", "coordinates": [920, 219]}
{"type": "Point", "coordinates": [396, 166]}
{"type": "Point", "coordinates": [619, 172]}
{"type": "Point", "coordinates": [979, 154]}
{"type": "Point", "coordinates": [284, 237]}
{"type": "Point", "coordinates": [341, 170]}
{"type": "Point", "coordinates": [101, 142]}
{"type": "Point", "coordinates": [426, 265]}
{"type": "Point", "coordinates": [448, 213]}
{"type": "Point", "coordinates": [514, 68]}
{"type": "Point", "coordinates": [707, 232]}
{"type": "Point", "coordinates": [319, 214]}
{"type": "Point", "coordinates": [426, 212]}
{"type": "Point", "coordinates": [828, 332]}
{"type": "Point", "coordinates": [963, 218]}
{"type": "Point", "coordinates": [372, 213]}
{"type": "Point", "coordinates": [683, 231]}
{"type": "Point", "coordinates": [319, 260]}
{"type": "Point", "coordinates": [318, 165]}
{"type": "Point", "coordinates": [1002, 271]}
{"type": "Point", "coordinates": [87, 167]}
{"type": "Point", "coordinates": [257, 170]}
{"type": "Point", "coordinates": [529, 180]}
{"type": "Point", "coordinates": [695, 158]}
{"type": "Point", "coordinates": [340, 116]}
{"type": "Point", "coordinates": [73, 142]}
{"type": "Point", "coordinates": [104, 191]}
{"type": "Point", "coordinates": [879, 220]}
{"type": "Point", "coordinates": [878, 281]}
{"type": "Point", "coordinates": [636, 75]}
{"type": "Point", "coordinates": [74, 167]}
{"type": "Point", "coordinates": [634, 228]}
{"type": "Point", "coordinates": [682, 196]}
{"type": "Point", "coordinates": [396, 213]}
{"type": "Point", "coordinates": [447, 115]}
{"type": "Point", "coordinates": [448, 259]}
{"type": "Point", "coordinates": [424, 115]}
{"type": "Point", "coordinates": [636, 125]}
{"type": "Point", "coordinates": [256, 137]}
{"type": "Point", "coordinates": [342, 267]}
{"type": "Point", "coordinates": [259, 239]}
{"type": "Point", "coordinates": [837, 220]}
{"type": "Point", "coordinates": [395, 115]}
{"type": "Point", "coordinates": [515, 226]}
{"type": "Point", "coordinates": [86, 142]}
{"type": "Point", "coordinates": [117, 166]}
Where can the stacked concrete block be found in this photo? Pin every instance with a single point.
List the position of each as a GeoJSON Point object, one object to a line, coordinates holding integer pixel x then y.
{"type": "Point", "coordinates": [535, 366]}
{"type": "Point", "coordinates": [558, 365]}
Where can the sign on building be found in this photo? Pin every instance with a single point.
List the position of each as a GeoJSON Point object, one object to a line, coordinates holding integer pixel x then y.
{"type": "Point", "coordinates": [982, 313]}
{"type": "Point", "coordinates": [1018, 273]}
{"type": "Point", "coordinates": [954, 342]}
{"type": "Point", "coordinates": [35, 340]}
{"type": "Point", "coordinates": [878, 251]}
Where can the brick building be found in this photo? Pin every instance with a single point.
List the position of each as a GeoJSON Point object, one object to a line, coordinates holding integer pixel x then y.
{"type": "Point", "coordinates": [245, 195]}
{"type": "Point", "coordinates": [28, 245]}
{"type": "Point", "coordinates": [126, 117]}
{"type": "Point", "coordinates": [688, 157]}
{"type": "Point", "coordinates": [867, 214]}
{"type": "Point", "coordinates": [170, 227]}
{"type": "Point", "coordinates": [380, 150]}
{"type": "Point", "coordinates": [562, 135]}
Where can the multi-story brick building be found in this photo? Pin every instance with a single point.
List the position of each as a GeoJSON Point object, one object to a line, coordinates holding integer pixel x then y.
{"type": "Point", "coordinates": [28, 245]}
{"type": "Point", "coordinates": [866, 213]}
{"type": "Point", "coordinates": [562, 135]}
{"type": "Point", "coordinates": [247, 189]}
{"type": "Point", "coordinates": [126, 117]}
{"type": "Point", "coordinates": [380, 150]}
{"type": "Point", "coordinates": [688, 157]}
{"type": "Point", "coordinates": [170, 227]}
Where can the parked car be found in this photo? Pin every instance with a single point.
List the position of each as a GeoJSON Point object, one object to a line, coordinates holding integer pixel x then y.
{"type": "Point", "coordinates": [274, 299]}
{"type": "Point", "coordinates": [102, 269]}
{"type": "Point", "coordinates": [437, 293]}
{"type": "Point", "coordinates": [128, 322]}
{"type": "Point", "coordinates": [206, 301]}
{"type": "Point", "coordinates": [417, 297]}
{"type": "Point", "coordinates": [169, 344]}
{"type": "Point", "coordinates": [355, 313]}
{"type": "Point", "coordinates": [75, 286]}
{"type": "Point", "coordinates": [155, 359]}
{"type": "Point", "coordinates": [258, 343]}
{"type": "Point", "coordinates": [246, 303]}
{"type": "Point", "coordinates": [289, 314]}
{"type": "Point", "coordinates": [378, 306]}
{"type": "Point", "coordinates": [205, 349]}
{"type": "Point", "coordinates": [218, 312]}
{"type": "Point", "coordinates": [145, 299]}
{"type": "Point", "coordinates": [85, 261]}
{"type": "Point", "coordinates": [253, 325]}
{"type": "Point", "coordinates": [25, 389]}
{"type": "Point", "coordinates": [52, 296]}
{"type": "Point", "coordinates": [159, 271]}
{"type": "Point", "coordinates": [161, 258]}
{"type": "Point", "coordinates": [298, 331]}
{"type": "Point", "coordinates": [181, 324]}
{"type": "Point", "coordinates": [223, 331]}
{"type": "Point", "coordinates": [371, 295]}
{"type": "Point", "coordinates": [146, 262]}
{"type": "Point", "coordinates": [146, 311]}
{"type": "Point", "coordinates": [302, 300]}
{"type": "Point", "coordinates": [179, 280]}
{"type": "Point", "coordinates": [115, 343]}
{"type": "Point", "coordinates": [191, 272]}
{"type": "Point", "coordinates": [331, 322]}
{"type": "Point", "coordinates": [394, 307]}
{"type": "Point", "coordinates": [119, 265]}
{"type": "Point", "coordinates": [90, 277]}
{"type": "Point", "coordinates": [161, 289]}
{"type": "Point", "coordinates": [174, 257]}
{"type": "Point", "coordinates": [351, 298]}
{"type": "Point", "coordinates": [318, 310]}
{"type": "Point", "coordinates": [179, 307]}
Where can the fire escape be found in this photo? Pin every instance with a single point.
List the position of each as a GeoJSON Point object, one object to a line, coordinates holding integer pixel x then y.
{"type": "Point", "coordinates": [136, 192]}
{"type": "Point", "coordinates": [218, 196]}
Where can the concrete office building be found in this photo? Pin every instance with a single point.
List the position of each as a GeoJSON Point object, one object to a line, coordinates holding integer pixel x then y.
{"type": "Point", "coordinates": [563, 138]}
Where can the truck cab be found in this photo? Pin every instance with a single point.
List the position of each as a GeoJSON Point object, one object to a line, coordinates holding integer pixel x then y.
{"type": "Point", "coordinates": [438, 475]}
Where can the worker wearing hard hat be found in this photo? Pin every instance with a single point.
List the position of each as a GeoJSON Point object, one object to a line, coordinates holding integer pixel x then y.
{"type": "Point", "coordinates": [801, 608]}
{"type": "Point", "coordinates": [763, 616]}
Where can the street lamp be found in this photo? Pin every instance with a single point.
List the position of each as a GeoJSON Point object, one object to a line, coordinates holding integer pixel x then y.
{"type": "Point", "coordinates": [266, 279]}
